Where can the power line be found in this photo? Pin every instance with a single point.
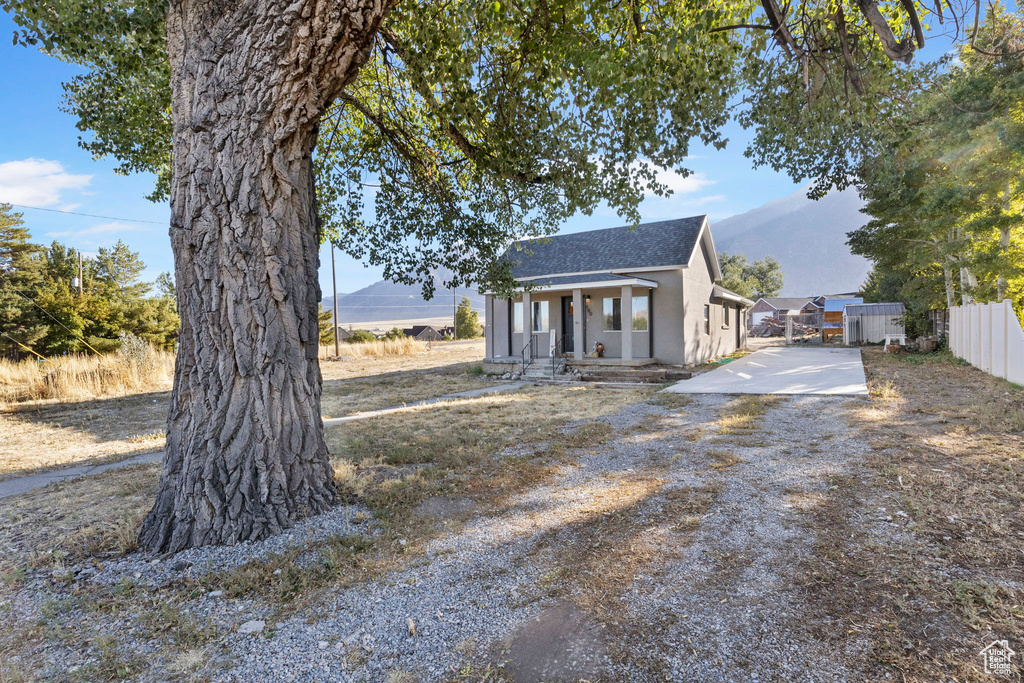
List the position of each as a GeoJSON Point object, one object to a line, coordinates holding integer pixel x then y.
{"type": "Point", "coordinates": [89, 215]}
{"type": "Point", "coordinates": [69, 330]}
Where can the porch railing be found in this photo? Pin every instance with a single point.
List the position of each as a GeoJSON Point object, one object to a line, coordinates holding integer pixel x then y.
{"type": "Point", "coordinates": [558, 356]}
{"type": "Point", "coordinates": [529, 345]}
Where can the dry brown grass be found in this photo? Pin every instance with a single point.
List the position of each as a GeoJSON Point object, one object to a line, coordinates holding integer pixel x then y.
{"type": "Point", "coordinates": [741, 416]}
{"type": "Point", "coordinates": [76, 377]}
{"type": "Point", "coordinates": [343, 397]}
{"type": "Point", "coordinates": [950, 478]}
{"type": "Point", "coordinates": [395, 461]}
{"type": "Point", "coordinates": [48, 434]}
{"type": "Point", "coordinates": [383, 348]}
{"type": "Point", "coordinates": [94, 516]}
{"type": "Point", "coordinates": [453, 358]}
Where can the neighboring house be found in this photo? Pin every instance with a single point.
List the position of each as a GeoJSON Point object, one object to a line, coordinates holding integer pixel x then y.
{"type": "Point", "coordinates": [777, 307]}
{"type": "Point", "coordinates": [424, 333]}
{"type": "Point", "coordinates": [648, 293]}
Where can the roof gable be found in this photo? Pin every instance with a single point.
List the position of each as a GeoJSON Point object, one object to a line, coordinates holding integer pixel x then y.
{"type": "Point", "coordinates": [651, 245]}
{"type": "Point", "coordinates": [786, 303]}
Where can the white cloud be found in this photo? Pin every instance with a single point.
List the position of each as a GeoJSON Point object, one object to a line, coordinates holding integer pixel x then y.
{"type": "Point", "coordinates": [695, 182]}
{"type": "Point", "coordinates": [701, 201]}
{"type": "Point", "coordinates": [98, 229]}
{"type": "Point", "coordinates": [37, 182]}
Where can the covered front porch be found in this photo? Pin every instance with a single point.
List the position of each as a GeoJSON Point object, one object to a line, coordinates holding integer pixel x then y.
{"type": "Point", "coordinates": [600, 319]}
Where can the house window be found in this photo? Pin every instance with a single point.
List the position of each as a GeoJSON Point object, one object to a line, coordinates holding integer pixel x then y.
{"type": "Point", "coordinates": [540, 316]}
{"type": "Point", "coordinates": [612, 314]}
{"type": "Point", "coordinates": [639, 313]}
{"type": "Point", "coordinates": [707, 318]}
{"type": "Point", "coordinates": [517, 317]}
{"type": "Point", "coordinates": [725, 316]}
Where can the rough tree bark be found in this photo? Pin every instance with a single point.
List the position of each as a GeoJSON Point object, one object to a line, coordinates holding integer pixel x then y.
{"type": "Point", "coordinates": [245, 452]}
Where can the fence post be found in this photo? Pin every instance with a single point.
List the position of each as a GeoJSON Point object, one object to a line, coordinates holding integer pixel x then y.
{"type": "Point", "coordinates": [987, 334]}
{"type": "Point", "coordinates": [1009, 318]}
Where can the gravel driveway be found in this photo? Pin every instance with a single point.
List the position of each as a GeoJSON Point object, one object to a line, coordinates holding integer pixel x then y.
{"type": "Point", "coordinates": [715, 601]}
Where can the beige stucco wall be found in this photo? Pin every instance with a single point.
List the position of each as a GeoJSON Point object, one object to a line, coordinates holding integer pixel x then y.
{"type": "Point", "coordinates": [698, 291]}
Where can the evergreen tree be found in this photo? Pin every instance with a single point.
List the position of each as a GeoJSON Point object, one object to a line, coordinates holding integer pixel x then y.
{"type": "Point", "coordinates": [467, 322]}
{"type": "Point", "coordinates": [22, 324]}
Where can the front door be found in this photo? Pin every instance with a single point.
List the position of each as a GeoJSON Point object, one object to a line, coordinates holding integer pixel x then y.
{"type": "Point", "coordinates": [567, 324]}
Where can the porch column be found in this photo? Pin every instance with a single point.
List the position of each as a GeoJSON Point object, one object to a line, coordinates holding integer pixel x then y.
{"type": "Point", "coordinates": [489, 326]}
{"type": "Point", "coordinates": [527, 326]}
{"type": "Point", "coordinates": [578, 316]}
{"type": "Point", "coordinates": [627, 322]}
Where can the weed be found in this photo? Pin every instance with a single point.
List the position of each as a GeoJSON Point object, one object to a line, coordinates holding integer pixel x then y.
{"type": "Point", "coordinates": [671, 401]}
{"type": "Point", "coordinates": [723, 459]}
{"type": "Point", "coordinates": [742, 415]}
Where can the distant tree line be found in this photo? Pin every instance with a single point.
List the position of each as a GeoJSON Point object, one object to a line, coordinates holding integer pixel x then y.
{"type": "Point", "coordinates": [42, 311]}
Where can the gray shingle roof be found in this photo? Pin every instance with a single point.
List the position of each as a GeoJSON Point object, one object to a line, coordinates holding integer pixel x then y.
{"type": "Point", "coordinates": [787, 303]}
{"type": "Point", "coordinates": [572, 279]}
{"type": "Point", "coordinates": [665, 243]}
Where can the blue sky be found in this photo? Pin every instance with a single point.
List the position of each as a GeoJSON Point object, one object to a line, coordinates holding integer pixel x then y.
{"type": "Point", "coordinates": [41, 165]}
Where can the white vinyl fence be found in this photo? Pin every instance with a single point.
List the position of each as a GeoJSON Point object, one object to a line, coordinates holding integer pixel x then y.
{"type": "Point", "coordinates": [989, 337]}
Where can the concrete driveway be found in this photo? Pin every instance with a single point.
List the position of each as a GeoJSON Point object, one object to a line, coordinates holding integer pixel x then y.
{"type": "Point", "coordinates": [784, 370]}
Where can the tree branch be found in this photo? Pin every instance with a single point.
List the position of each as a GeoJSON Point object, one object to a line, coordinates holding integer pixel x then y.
{"type": "Point", "coordinates": [896, 50]}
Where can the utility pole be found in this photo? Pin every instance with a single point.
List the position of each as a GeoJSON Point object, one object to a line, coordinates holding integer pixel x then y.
{"type": "Point", "coordinates": [455, 313]}
{"type": "Point", "coordinates": [81, 274]}
{"type": "Point", "coordinates": [334, 284]}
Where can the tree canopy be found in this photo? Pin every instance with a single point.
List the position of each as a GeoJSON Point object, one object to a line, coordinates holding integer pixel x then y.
{"type": "Point", "coordinates": [754, 280]}
{"type": "Point", "coordinates": [947, 199]}
{"type": "Point", "coordinates": [474, 123]}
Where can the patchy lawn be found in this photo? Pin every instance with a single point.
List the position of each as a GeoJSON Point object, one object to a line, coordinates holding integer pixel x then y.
{"type": "Point", "coordinates": [921, 552]}
{"type": "Point", "coordinates": [359, 394]}
{"type": "Point", "coordinates": [47, 435]}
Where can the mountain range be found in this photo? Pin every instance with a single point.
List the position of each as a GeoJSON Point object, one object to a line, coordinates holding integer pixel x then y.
{"type": "Point", "coordinates": [807, 237]}
{"type": "Point", "coordinates": [389, 301]}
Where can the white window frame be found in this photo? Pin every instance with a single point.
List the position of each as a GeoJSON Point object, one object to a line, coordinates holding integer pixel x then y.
{"type": "Point", "coordinates": [605, 316]}
{"type": "Point", "coordinates": [541, 316]}
{"type": "Point", "coordinates": [645, 302]}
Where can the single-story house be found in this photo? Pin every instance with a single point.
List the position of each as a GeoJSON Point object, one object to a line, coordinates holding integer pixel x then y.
{"type": "Point", "coordinates": [423, 333]}
{"type": "Point", "coordinates": [644, 294]}
{"type": "Point", "coordinates": [778, 307]}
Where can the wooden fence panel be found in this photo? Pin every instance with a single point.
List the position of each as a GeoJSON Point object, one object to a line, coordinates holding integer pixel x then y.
{"type": "Point", "coordinates": [989, 337]}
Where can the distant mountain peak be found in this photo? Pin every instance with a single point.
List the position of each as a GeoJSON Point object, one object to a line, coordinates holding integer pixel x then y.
{"type": "Point", "coordinates": [808, 238]}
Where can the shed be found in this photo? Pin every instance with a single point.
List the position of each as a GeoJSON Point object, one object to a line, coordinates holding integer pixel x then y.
{"type": "Point", "coordinates": [834, 308]}
{"type": "Point", "coordinates": [870, 323]}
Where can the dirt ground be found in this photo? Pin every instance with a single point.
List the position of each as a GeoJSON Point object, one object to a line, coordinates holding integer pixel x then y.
{"type": "Point", "coordinates": [579, 534]}
{"type": "Point", "coordinates": [46, 435]}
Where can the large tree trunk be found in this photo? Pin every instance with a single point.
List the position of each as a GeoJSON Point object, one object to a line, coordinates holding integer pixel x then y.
{"type": "Point", "coordinates": [245, 452]}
